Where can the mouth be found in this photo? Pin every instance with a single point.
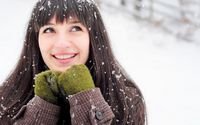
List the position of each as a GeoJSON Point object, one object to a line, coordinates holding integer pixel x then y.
{"type": "Point", "coordinates": [64, 56]}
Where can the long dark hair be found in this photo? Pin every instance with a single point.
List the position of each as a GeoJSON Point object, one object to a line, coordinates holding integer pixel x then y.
{"type": "Point", "coordinates": [118, 89]}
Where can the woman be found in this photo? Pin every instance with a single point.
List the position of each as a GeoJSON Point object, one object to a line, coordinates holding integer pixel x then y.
{"type": "Point", "coordinates": [62, 34]}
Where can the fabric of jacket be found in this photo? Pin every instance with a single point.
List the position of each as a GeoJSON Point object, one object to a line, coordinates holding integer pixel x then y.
{"type": "Point", "coordinates": [86, 108]}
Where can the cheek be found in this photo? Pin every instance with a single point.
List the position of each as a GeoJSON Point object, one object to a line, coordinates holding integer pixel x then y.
{"type": "Point", "coordinates": [86, 50]}
{"type": "Point", "coordinates": [44, 50]}
{"type": "Point", "coordinates": [40, 43]}
{"type": "Point", "coordinates": [44, 47]}
{"type": "Point", "coordinates": [85, 46]}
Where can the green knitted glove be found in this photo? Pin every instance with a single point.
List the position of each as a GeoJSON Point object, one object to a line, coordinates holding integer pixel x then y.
{"type": "Point", "coordinates": [75, 79]}
{"type": "Point", "coordinates": [46, 86]}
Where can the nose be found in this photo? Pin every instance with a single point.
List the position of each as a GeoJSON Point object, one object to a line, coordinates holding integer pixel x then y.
{"type": "Point", "coordinates": [63, 40]}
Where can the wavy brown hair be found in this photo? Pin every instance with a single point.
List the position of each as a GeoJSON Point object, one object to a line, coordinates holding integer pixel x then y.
{"type": "Point", "coordinates": [118, 89]}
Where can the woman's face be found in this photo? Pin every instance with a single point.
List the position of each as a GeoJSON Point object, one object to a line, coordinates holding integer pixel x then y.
{"type": "Point", "coordinates": [64, 44]}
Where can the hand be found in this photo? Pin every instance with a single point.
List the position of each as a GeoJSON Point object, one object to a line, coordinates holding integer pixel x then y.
{"type": "Point", "coordinates": [75, 79]}
{"type": "Point", "coordinates": [46, 86]}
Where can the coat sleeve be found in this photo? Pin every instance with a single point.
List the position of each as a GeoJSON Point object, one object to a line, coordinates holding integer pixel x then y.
{"type": "Point", "coordinates": [37, 112]}
{"type": "Point", "coordinates": [90, 108]}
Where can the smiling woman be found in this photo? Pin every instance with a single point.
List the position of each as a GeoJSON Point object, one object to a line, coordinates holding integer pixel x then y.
{"type": "Point", "coordinates": [67, 73]}
{"type": "Point", "coordinates": [63, 44]}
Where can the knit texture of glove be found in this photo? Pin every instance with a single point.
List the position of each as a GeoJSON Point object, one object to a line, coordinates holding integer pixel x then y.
{"type": "Point", "coordinates": [75, 79]}
{"type": "Point", "coordinates": [46, 86]}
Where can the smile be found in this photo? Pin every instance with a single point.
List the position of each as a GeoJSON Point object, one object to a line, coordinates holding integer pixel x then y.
{"type": "Point", "coordinates": [64, 56]}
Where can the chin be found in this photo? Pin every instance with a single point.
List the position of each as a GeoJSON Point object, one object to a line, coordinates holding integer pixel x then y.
{"type": "Point", "coordinates": [63, 69]}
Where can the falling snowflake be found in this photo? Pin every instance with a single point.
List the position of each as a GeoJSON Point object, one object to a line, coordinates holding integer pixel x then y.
{"type": "Point", "coordinates": [95, 15]}
{"type": "Point", "coordinates": [49, 4]}
{"type": "Point", "coordinates": [3, 107]}
{"type": "Point", "coordinates": [93, 107]}
{"type": "Point", "coordinates": [41, 8]}
{"type": "Point", "coordinates": [72, 115]}
{"type": "Point", "coordinates": [118, 76]}
{"type": "Point", "coordinates": [89, 28]}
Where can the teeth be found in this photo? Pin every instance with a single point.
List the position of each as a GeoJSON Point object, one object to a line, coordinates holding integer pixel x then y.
{"type": "Point", "coordinates": [64, 56]}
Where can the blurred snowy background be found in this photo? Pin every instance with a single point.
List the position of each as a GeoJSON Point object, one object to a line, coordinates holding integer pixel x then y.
{"type": "Point", "coordinates": [156, 41]}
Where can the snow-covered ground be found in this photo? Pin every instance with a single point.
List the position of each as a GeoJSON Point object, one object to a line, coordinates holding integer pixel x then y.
{"type": "Point", "coordinates": [166, 69]}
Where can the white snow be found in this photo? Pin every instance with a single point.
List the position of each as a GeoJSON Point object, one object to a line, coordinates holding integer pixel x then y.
{"type": "Point", "coordinates": [166, 69]}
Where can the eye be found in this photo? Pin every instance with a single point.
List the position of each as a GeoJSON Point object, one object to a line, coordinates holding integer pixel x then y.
{"type": "Point", "coordinates": [76, 28]}
{"type": "Point", "coordinates": [49, 30]}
